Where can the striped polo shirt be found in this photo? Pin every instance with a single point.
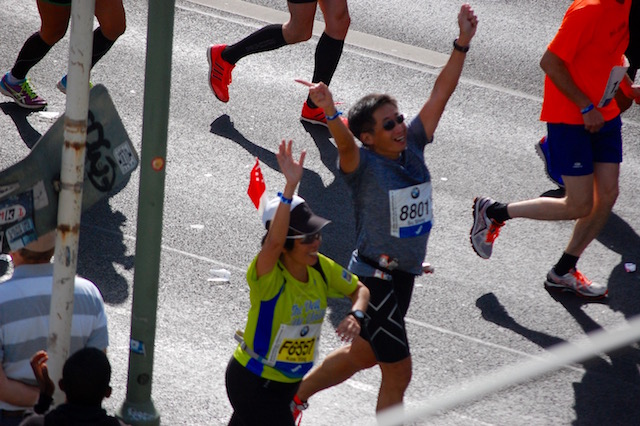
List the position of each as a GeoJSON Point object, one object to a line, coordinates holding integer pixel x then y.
{"type": "Point", "coordinates": [25, 303]}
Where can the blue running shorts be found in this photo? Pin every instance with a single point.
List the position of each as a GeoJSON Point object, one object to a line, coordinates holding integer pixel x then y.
{"type": "Point", "coordinates": [574, 150]}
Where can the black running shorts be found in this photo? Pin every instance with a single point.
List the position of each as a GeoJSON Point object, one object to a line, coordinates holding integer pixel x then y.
{"type": "Point", "coordinates": [388, 305]}
{"type": "Point", "coordinates": [258, 401]}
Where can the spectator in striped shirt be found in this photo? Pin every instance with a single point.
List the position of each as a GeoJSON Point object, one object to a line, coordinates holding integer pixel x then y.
{"type": "Point", "coordinates": [25, 301]}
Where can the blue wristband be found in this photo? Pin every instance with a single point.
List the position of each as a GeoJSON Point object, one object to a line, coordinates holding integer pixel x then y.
{"type": "Point", "coordinates": [284, 200]}
{"type": "Point", "coordinates": [587, 109]}
{"type": "Point", "coordinates": [334, 116]}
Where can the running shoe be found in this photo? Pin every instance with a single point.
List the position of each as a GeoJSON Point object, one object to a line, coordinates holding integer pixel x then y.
{"type": "Point", "coordinates": [484, 231]}
{"type": "Point", "coordinates": [316, 116]}
{"type": "Point", "coordinates": [219, 72]}
{"type": "Point", "coordinates": [313, 115]}
{"type": "Point", "coordinates": [542, 148]}
{"type": "Point", "coordinates": [62, 85]}
{"type": "Point", "coordinates": [22, 93]}
{"type": "Point", "coordinates": [296, 409]}
{"type": "Point", "coordinates": [577, 283]}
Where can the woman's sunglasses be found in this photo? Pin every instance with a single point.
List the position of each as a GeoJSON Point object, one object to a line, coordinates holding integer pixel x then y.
{"type": "Point", "coordinates": [306, 238]}
{"type": "Point", "coordinates": [391, 124]}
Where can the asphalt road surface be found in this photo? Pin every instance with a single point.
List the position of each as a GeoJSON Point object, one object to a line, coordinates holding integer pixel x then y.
{"type": "Point", "coordinates": [469, 318]}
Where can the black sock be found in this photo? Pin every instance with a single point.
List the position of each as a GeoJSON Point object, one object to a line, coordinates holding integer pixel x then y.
{"type": "Point", "coordinates": [565, 264]}
{"type": "Point", "coordinates": [263, 40]}
{"type": "Point", "coordinates": [327, 56]}
{"type": "Point", "coordinates": [101, 46]}
{"type": "Point", "coordinates": [32, 52]}
{"type": "Point", "coordinates": [498, 212]}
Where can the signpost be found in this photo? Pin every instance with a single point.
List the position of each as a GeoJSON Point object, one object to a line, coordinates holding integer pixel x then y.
{"type": "Point", "coordinates": [138, 408]}
{"type": "Point", "coordinates": [71, 182]}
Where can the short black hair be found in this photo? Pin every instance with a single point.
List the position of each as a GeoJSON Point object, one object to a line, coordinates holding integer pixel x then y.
{"type": "Point", "coordinates": [86, 376]}
{"type": "Point", "coordinates": [34, 257]}
{"type": "Point", "coordinates": [361, 114]}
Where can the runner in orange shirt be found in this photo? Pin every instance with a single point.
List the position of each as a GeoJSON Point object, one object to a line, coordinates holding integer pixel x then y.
{"type": "Point", "coordinates": [584, 68]}
{"type": "Point", "coordinates": [622, 99]}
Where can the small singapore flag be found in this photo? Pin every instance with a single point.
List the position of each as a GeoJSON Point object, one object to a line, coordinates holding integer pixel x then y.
{"type": "Point", "coordinates": [257, 188]}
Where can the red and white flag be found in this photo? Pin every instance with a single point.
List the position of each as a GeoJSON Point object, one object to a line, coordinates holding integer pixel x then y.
{"type": "Point", "coordinates": [257, 188]}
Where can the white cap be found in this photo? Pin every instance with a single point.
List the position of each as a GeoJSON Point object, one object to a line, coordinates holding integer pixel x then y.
{"type": "Point", "coordinates": [302, 219]}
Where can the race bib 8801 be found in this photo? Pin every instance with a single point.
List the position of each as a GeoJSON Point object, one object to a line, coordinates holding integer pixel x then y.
{"type": "Point", "coordinates": [410, 209]}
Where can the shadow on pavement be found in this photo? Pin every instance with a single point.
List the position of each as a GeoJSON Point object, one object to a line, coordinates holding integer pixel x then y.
{"type": "Point", "coordinates": [624, 287]}
{"type": "Point", "coordinates": [332, 202]}
{"type": "Point", "coordinates": [101, 249]}
{"type": "Point", "coordinates": [19, 116]}
{"type": "Point", "coordinates": [606, 393]}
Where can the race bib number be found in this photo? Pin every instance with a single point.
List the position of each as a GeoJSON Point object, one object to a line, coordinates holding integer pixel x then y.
{"type": "Point", "coordinates": [295, 344]}
{"type": "Point", "coordinates": [410, 209]}
{"type": "Point", "coordinates": [616, 76]}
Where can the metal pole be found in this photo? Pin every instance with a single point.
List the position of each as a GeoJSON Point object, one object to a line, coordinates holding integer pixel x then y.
{"type": "Point", "coordinates": [71, 179]}
{"type": "Point", "coordinates": [561, 355]}
{"type": "Point", "coordinates": [138, 408]}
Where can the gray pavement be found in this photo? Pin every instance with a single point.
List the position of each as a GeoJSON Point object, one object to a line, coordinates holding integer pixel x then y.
{"type": "Point", "coordinates": [468, 319]}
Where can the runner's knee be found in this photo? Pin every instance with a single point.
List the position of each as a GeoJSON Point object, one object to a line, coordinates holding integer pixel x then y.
{"type": "Point", "coordinates": [579, 209]}
{"type": "Point", "coordinates": [52, 33]}
{"type": "Point", "coordinates": [296, 33]}
{"type": "Point", "coordinates": [113, 30]}
{"type": "Point", "coordinates": [337, 24]}
{"type": "Point", "coordinates": [397, 375]}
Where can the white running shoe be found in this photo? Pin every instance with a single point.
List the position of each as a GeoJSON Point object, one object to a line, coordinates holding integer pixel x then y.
{"type": "Point", "coordinates": [577, 283]}
{"type": "Point", "coordinates": [484, 231]}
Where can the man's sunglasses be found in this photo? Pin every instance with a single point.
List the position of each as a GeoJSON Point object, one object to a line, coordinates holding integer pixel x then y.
{"type": "Point", "coordinates": [306, 238]}
{"type": "Point", "coordinates": [391, 124]}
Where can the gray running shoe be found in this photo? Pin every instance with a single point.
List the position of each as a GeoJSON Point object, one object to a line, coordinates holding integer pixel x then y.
{"type": "Point", "coordinates": [484, 231]}
{"type": "Point", "coordinates": [577, 283]}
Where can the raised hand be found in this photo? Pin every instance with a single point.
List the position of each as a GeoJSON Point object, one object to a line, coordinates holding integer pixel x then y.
{"type": "Point", "coordinates": [468, 22]}
{"type": "Point", "coordinates": [320, 95]}
{"type": "Point", "coordinates": [291, 169]}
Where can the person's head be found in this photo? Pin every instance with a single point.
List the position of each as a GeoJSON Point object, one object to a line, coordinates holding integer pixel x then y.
{"type": "Point", "coordinates": [85, 377]}
{"type": "Point", "coordinates": [38, 251]}
{"type": "Point", "coordinates": [304, 235]}
{"type": "Point", "coordinates": [375, 120]}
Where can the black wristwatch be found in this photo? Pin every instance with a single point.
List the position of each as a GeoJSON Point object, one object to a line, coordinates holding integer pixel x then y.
{"type": "Point", "coordinates": [358, 314]}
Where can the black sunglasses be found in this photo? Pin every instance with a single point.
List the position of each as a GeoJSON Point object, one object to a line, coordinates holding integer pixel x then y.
{"type": "Point", "coordinates": [306, 238]}
{"type": "Point", "coordinates": [391, 124]}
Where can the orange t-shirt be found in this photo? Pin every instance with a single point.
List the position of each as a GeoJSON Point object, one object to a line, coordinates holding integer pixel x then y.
{"type": "Point", "coordinates": [592, 39]}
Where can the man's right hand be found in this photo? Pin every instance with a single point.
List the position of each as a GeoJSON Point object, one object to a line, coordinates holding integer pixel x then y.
{"type": "Point", "coordinates": [39, 367]}
{"type": "Point", "coordinates": [593, 120]}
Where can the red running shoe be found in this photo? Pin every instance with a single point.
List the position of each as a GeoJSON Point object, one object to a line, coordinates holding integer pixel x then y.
{"type": "Point", "coordinates": [316, 116]}
{"type": "Point", "coordinates": [219, 72]}
{"type": "Point", "coordinates": [296, 409]}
